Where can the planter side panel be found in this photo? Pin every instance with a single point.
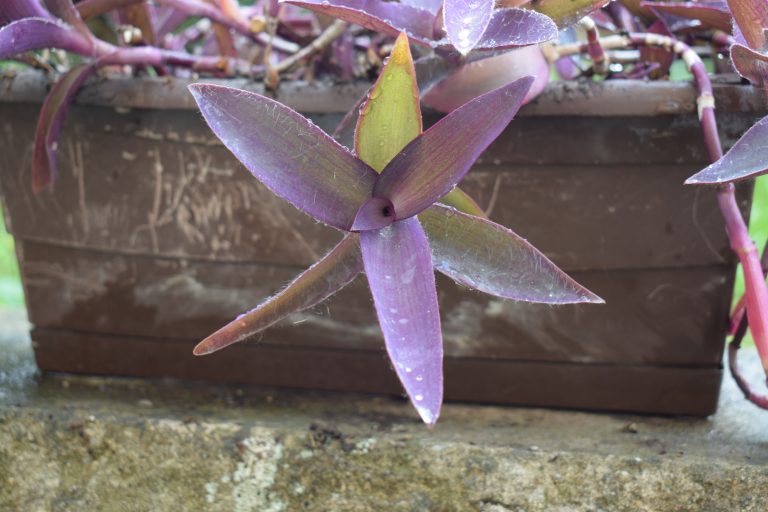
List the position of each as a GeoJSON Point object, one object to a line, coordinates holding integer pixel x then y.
{"type": "Point", "coordinates": [155, 235]}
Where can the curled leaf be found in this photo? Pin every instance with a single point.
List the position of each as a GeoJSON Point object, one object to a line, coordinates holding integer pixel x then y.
{"type": "Point", "coordinates": [49, 123]}
{"type": "Point", "coordinates": [329, 275]}
{"type": "Point", "coordinates": [399, 269]}
{"type": "Point", "coordinates": [38, 33]}
{"type": "Point", "coordinates": [747, 158]}
{"type": "Point", "coordinates": [288, 153]}
{"type": "Point", "coordinates": [751, 65]}
{"type": "Point", "coordinates": [493, 259]}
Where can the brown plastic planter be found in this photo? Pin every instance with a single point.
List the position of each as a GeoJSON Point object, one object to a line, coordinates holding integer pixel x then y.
{"type": "Point", "coordinates": [155, 236]}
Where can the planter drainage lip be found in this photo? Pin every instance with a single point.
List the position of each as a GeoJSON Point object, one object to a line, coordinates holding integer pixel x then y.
{"type": "Point", "coordinates": [563, 98]}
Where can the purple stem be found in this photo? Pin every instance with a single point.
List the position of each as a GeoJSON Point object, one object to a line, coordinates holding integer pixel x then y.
{"type": "Point", "coordinates": [594, 47]}
{"type": "Point", "coordinates": [756, 291]}
{"type": "Point", "coordinates": [90, 8]}
{"type": "Point", "coordinates": [151, 56]}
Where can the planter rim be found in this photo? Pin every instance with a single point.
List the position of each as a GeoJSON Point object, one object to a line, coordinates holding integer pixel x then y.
{"type": "Point", "coordinates": [565, 98]}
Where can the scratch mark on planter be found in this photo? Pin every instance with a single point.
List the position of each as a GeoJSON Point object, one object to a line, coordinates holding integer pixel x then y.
{"type": "Point", "coordinates": [77, 163]}
{"type": "Point", "coordinates": [697, 225]}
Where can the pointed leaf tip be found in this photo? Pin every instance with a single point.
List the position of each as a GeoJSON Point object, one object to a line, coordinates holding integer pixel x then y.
{"type": "Point", "coordinates": [399, 270]}
{"type": "Point", "coordinates": [747, 158]}
{"type": "Point", "coordinates": [332, 273]}
{"type": "Point", "coordinates": [432, 164]}
{"type": "Point", "coordinates": [390, 117]}
{"type": "Point", "coordinates": [287, 153]}
{"type": "Point", "coordinates": [466, 21]}
{"type": "Point", "coordinates": [490, 258]}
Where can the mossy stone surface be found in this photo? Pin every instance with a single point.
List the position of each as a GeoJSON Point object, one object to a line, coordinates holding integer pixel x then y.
{"type": "Point", "coordinates": [108, 444]}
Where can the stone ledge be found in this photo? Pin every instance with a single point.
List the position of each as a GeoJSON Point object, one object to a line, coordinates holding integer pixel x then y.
{"type": "Point", "coordinates": [78, 443]}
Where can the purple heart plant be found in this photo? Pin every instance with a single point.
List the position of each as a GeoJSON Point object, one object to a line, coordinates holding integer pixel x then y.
{"type": "Point", "coordinates": [385, 197]}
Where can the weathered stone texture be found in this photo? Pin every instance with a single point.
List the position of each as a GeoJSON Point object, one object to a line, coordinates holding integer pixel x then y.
{"type": "Point", "coordinates": [92, 444]}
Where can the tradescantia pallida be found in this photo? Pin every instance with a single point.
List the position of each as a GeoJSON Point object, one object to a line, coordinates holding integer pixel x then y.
{"type": "Point", "coordinates": [385, 196]}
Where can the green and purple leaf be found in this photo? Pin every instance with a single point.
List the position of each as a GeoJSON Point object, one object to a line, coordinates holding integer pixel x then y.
{"type": "Point", "coordinates": [390, 116]}
{"type": "Point", "coordinates": [332, 273]}
{"type": "Point", "coordinates": [476, 78]}
{"type": "Point", "coordinates": [38, 33]}
{"type": "Point", "coordinates": [488, 257]}
{"type": "Point", "coordinates": [430, 166]}
{"type": "Point", "coordinates": [466, 22]}
{"type": "Point", "coordinates": [399, 269]}
{"type": "Point", "coordinates": [49, 124]}
{"type": "Point", "coordinates": [287, 153]}
{"type": "Point", "coordinates": [747, 158]}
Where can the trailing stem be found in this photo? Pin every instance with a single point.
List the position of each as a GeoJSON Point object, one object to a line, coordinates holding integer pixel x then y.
{"type": "Point", "coordinates": [756, 294]}
{"type": "Point", "coordinates": [595, 50]}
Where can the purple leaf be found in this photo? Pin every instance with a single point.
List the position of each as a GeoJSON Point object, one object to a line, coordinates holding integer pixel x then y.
{"type": "Point", "coordinates": [65, 10]}
{"type": "Point", "coordinates": [375, 213]}
{"type": "Point", "coordinates": [432, 6]}
{"type": "Point", "coordinates": [491, 258]}
{"type": "Point", "coordinates": [399, 269]}
{"type": "Point", "coordinates": [38, 33]}
{"type": "Point", "coordinates": [332, 273]}
{"type": "Point", "coordinates": [287, 153]}
{"type": "Point", "coordinates": [517, 27]}
{"type": "Point", "coordinates": [49, 124]}
{"type": "Point", "coordinates": [466, 21]}
{"type": "Point", "coordinates": [746, 159]}
{"type": "Point", "coordinates": [751, 17]}
{"type": "Point", "coordinates": [431, 165]}
{"type": "Point", "coordinates": [473, 79]}
{"type": "Point", "coordinates": [12, 10]}
{"type": "Point", "coordinates": [388, 18]}
{"type": "Point", "coordinates": [715, 15]}
{"type": "Point", "coordinates": [751, 65]}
